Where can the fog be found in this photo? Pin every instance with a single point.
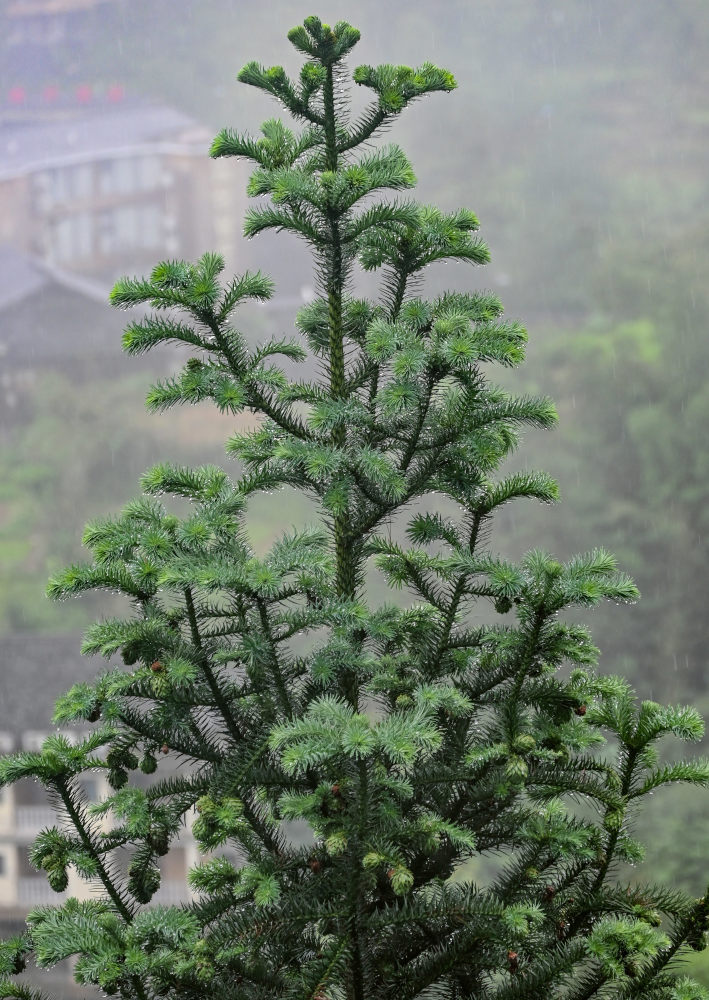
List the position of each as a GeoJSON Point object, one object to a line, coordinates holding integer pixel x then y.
{"type": "Point", "coordinates": [579, 136]}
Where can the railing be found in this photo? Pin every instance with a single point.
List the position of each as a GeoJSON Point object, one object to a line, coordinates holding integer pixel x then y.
{"type": "Point", "coordinates": [34, 891]}
{"type": "Point", "coordinates": [31, 819]}
{"type": "Point", "coordinates": [171, 891]}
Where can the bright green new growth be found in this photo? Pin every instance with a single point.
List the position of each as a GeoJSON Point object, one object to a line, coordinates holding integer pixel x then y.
{"type": "Point", "coordinates": [409, 739]}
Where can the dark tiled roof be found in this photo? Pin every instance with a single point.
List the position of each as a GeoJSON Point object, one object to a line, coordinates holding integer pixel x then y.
{"type": "Point", "coordinates": [48, 315]}
{"type": "Point", "coordinates": [20, 276]}
{"type": "Point", "coordinates": [34, 671]}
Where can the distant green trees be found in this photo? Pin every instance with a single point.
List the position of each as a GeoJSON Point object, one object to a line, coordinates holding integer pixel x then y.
{"type": "Point", "coordinates": [632, 455]}
{"type": "Point", "coordinates": [406, 739]}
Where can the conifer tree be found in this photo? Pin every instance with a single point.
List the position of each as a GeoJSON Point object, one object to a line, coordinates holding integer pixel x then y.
{"type": "Point", "coordinates": [412, 740]}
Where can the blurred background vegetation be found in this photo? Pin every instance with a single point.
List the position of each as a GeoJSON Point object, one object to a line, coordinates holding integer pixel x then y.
{"type": "Point", "coordinates": [579, 137]}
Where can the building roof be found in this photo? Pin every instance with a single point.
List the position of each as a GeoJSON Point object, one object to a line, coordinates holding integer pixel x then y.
{"type": "Point", "coordinates": [34, 671]}
{"type": "Point", "coordinates": [22, 8]}
{"type": "Point", "coordinates": [101, 131]}
{"type": "Point", "coordinates": [48, 315]}
{"type": "Point", "coordinates": [20, 276]}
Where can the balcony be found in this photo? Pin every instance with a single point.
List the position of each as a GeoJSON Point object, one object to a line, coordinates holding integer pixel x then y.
{"type": "Point", "coordinates": [171, 893]}
{"type": "Point", "coordinates": [31, 819]}
{"type": "Point", "coordinates": [37, 891]}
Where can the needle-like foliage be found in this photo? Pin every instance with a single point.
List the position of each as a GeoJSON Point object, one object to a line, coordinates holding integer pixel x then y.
{"type": "Point", "coordinates": [408, 741]}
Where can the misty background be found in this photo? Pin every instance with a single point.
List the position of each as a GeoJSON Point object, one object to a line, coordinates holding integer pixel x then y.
{"type": "Point", "coordinates": [579, 134]}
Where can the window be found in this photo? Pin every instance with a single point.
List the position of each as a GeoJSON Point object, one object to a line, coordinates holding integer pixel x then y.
{"type": "Point", "coordinates": [32, 739]}
{"type": "Point", "coordinates": [106, 234]}
{"type": "Point", "coordinates": [173, 865]}
{"type": "Point", "coordinates": [82, 181]}
{"type": "Point", "coordinates": [119, 176]}
{"type": "Point", "coordinates": [149, 172]}
{"type": "Point", "coordinates": [71, 238]}
{"type": "Point", "coordinates": [60, 187]}
{"type": "Point", "coordinates": [126, 225]}
{"type": "Point", "coordinates": [82, 234]}
{"type": "Point", "coordinates": [130, 226]}
{"type": "Point", "coordinates": [110, 177]}
{"type": "Point", "coordinates": [126, 175]}
{"type": "Point", "coordinates": [52, 188]}
{"type": "Point", "coordinates": [90, 788]}
{"type": "Point", "coordinates": [150, 226]}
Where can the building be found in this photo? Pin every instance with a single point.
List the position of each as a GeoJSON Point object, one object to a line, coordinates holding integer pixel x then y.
{"type": "Point", "coordinates": [111, 185]}
{"type": "Point", "coordinates": [93, 185]}
{"type": "Point", "coordinates": [34, 671]}
{"type": "Point", "coordinates": [38, 35]}
{"type": "Point", "coordinates": [48, 22]}
{"type": "Point", "coordinates": [89, 192]}
{"type": "Point", "coordinates": [48, 319]}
